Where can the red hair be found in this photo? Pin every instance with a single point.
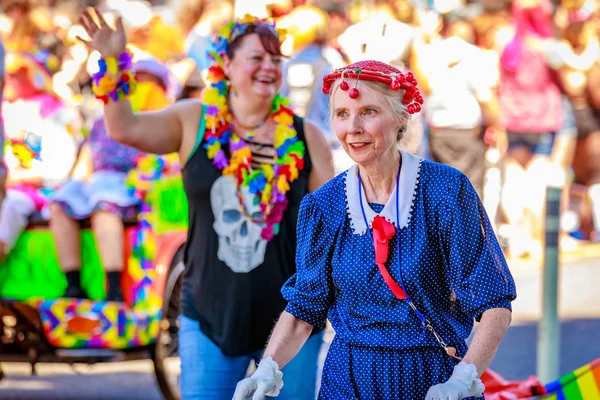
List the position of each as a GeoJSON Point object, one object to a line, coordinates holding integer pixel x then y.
{"type": "Point", "coordinates": [269, 40]}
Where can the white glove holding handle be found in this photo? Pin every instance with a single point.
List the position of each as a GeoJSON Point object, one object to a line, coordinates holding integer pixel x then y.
{"type": "Point", "coordinates": [267, 380]}
{"type": "Point", "coordinates": [463, 383]}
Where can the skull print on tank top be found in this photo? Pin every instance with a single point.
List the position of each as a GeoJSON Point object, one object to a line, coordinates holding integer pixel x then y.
{"type": "Point", "coordinates": [240, 244]}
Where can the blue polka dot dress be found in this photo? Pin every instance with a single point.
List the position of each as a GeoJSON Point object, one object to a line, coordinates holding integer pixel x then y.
{"type": "Point", "coordinates": [450, 264]}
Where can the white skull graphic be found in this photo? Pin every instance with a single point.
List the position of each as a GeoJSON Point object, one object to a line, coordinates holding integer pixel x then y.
{"type": "Point", "coordinates": [240, 244]}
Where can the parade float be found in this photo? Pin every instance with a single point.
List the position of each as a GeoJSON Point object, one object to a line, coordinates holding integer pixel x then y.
{"type": "Point", "coordinates": [38, 325]}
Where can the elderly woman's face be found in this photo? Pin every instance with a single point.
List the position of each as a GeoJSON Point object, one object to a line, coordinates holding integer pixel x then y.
{"type": "Point", "coordinates": [366, 126]}
{"type": "Point", "coordinates": [252, 70]}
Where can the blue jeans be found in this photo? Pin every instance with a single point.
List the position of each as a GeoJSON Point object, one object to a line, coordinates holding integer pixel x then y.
{"type": "Point", "coordinates": [208, 374]}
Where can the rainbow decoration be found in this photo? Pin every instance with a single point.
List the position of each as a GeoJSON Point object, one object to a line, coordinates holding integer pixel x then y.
{"type": "Point", "coordinates": [84, 323]}
{"type": "Point", "coordinates": [88, 323]}
{"type": "Point", "coordinates": [581, 384]}
{"type": "Point", "coordinates": [105, 85]}
{"type": "Point", "coordinates": [150, 169]}
{"type": "Point", "coordinates": [117, 325]}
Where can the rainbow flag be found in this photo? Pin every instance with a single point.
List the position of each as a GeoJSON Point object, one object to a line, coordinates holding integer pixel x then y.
{"type": "Point", "coordinates": [581, 384]}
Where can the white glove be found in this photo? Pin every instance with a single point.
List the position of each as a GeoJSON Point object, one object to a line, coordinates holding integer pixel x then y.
{"type": "Point", "coordinates": [266, 381]}
{"type": "Point", "coordinates": [462, 384]}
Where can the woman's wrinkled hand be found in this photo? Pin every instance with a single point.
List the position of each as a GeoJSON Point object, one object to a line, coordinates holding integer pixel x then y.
{"type": "Point", "coordinates": [107, 41]}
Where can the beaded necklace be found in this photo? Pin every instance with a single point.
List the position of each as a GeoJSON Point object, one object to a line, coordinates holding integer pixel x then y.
{"type": "Point", "coordinates": [251, 129]}
{"type": "Point", "coordinates": [268, 183]}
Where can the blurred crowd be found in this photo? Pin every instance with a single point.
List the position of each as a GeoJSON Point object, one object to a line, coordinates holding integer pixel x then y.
{"type": "Point", "coordinates": [512, 88]}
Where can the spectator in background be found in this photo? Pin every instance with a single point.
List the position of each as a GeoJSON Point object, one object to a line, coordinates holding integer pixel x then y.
{"type": "Point", "coordinates": [211, 15]}
{"type": "Point", "coordinates": [593, 149]}
{"type": "Point", "coordinates": [563, 16]}
{"type": "Point", "coordinates": [310, 61]}
{"type": "Point", "coordinates": [459, 80]}
{"type": "Point", "coordinates": [577, 57]}
{"type": "Point", "coordinates": [156, 37]}
{"type": "Point", "coordinates": [532, 114]}
{"type": "Point", "coordinates": [405, 11]}
{"type": "Point", "coordinates": [31, 27]}
{"type": "Point", "coordinates": [280, 8]}
{"type": "Point", "coordinates": [190, 79]}
{"type": "Point", "coordinates": [312, 58]}
{"type": "Point", "coordinates": [377, 35]}
{"type": "Point", "coordinates": [493, 27]}
{"type": "Point", "coordinates": [338, 23]}
{"type": "Point", "coordinates": [189, 14]}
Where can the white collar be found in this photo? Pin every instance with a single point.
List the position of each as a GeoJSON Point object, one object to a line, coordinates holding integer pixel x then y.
{"type": "Point", "coordinates": [409, 178]}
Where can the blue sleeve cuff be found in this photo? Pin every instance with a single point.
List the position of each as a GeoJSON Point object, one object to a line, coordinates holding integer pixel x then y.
{"type": "Point", "coordinates": [316, 319]}
{"type": "Point", "coordinates": [503, 303]}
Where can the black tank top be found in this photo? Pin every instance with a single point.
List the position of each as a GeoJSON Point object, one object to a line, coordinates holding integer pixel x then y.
{"type": "Point", "coordinates": [233, 278]}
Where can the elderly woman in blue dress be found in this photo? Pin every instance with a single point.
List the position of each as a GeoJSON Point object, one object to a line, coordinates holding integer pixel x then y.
{"type": "Point", "coordinates": [399, 254]}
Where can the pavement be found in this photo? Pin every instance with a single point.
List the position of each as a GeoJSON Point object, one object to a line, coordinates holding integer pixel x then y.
{"type": "Point", "coordinates": [116, 381]}
{"type": "Point", "coordinates": [579, 312]}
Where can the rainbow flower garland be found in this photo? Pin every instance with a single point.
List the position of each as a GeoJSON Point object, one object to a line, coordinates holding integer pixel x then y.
{"type": "Point", "coordinates": [150, 168]}
{"type": "Point", "coordinates": [270, 183]}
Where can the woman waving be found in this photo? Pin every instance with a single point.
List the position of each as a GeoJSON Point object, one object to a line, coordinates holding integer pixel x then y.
{"type": "Point", "coordinates": [247, 161]}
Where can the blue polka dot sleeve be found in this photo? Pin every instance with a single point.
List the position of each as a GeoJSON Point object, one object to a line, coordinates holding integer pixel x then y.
{"type": "Point", "coordinates": [309, 291]}
{"type": "Point", "coordinates": [479, 273]}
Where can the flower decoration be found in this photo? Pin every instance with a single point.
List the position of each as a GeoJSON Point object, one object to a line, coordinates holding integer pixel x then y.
{"type": "Point", "coordinates": [115, 79]}
{"type": "Point", "coordinates": [150, 169]}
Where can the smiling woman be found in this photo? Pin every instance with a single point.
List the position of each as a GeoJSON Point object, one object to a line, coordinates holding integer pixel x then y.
{"type": "Point", "coordinates": [254, 52]}
{"type": "Point", "coordinates": [247, 161]}
{"type": "Point", "coordinates": [398, 254]}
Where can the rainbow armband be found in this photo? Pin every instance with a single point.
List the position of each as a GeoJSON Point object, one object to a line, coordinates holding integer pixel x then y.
{"type": "Point", "coordinates": [114, 80]}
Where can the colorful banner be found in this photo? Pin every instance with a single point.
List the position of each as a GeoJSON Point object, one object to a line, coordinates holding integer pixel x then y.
{"type": "Point", "coordinates": [581, 384]}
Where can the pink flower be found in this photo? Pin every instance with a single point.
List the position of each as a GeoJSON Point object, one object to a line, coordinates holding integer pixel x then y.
{"type": "Point", "coordinates": [267, 232]}
{"type": "Point", "coordinates": [276, 214]}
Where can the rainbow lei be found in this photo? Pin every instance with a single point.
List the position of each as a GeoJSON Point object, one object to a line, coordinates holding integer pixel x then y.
{"type": "Point", "coordinates": [108, 85]}
{"type": "Point", "coordinates": [270, 183]}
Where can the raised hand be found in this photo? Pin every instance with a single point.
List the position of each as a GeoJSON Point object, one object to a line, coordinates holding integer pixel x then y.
{"type": "Point", "coordinates": [107, 41]}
